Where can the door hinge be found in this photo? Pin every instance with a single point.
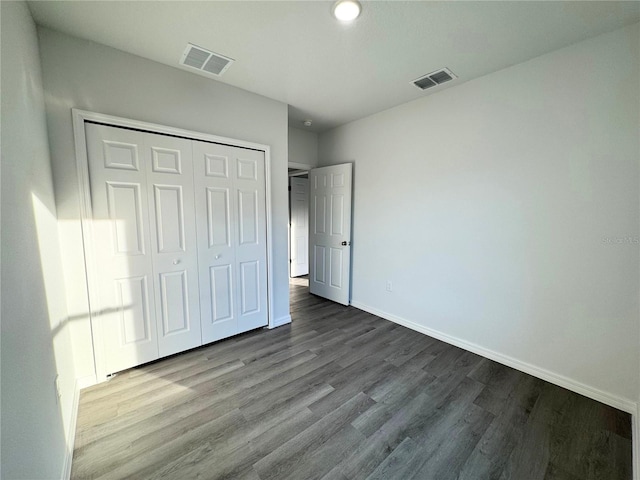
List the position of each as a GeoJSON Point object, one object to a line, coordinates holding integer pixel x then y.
{"type": "Point", "coordinates": [289, 187]}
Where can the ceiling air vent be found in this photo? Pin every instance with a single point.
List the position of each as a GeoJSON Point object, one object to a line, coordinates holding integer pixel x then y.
{"type": "Point", "coordinates": [205, 60]}
{"type": "Point", "coordinates": [434, 78]}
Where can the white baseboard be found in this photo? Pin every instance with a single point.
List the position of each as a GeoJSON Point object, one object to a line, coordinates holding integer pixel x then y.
{"type": "Point", "coordinates": [552, 377]}
{"type": "Point", "coordinates": [71, 434]}
{"type": "Point", "coordinates": [280, 321]}
{"type": "Point", "coordinates": [84, 382]}
{"type": "Point", "coordinates": [81, 383]}
{"type": "Point", "coordinates": [636, 444]}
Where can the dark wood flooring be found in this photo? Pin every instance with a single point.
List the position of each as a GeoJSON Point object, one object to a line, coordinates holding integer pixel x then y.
{"type": "Point", "coordinates": [342, 394]}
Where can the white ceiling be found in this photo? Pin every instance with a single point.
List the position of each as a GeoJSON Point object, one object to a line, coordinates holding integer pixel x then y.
{"type": "Point", "coordinates": [295, 52]}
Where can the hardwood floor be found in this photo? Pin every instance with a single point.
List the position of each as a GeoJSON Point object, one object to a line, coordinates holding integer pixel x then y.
{"type": "Point", "coordinates": [342, 394]}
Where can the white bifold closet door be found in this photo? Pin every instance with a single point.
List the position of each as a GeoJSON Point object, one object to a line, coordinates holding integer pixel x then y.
{"type": "Point", "coordinates": [232, 253]}
{"type": "Point", "coordinates": [180, 243]}
{"type": "Point", "coordinates": [145, 244]}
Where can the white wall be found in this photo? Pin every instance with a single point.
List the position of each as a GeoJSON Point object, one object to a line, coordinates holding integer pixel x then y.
{"type": "Point", "coordinates": [505, 212]}
{"type": "Point", "coordinates": [35, 340]}
{"type": "Point", "coordinates": [303, 147]}
{"type": "Point", "coordinates": [89, 76]}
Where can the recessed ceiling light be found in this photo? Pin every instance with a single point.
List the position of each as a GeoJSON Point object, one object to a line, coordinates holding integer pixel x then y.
{"type": "Point", "coordinates": [307, 123]}
{"type": "Point", "coordinates": [346, 10]}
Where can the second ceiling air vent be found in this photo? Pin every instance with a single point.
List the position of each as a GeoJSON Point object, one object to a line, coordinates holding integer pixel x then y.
{"type": "Point", "coordinates": [205, 60]}
{"type": "Point", "coordinates": [434, 78]}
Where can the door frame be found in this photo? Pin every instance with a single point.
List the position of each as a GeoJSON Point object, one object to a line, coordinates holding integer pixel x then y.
{"type": "Point", "coordinates": [80, 117]}
{"type": "Point", "coordinates": [306, 168]}
{"type": "Point", "coordinates": [300, 166]}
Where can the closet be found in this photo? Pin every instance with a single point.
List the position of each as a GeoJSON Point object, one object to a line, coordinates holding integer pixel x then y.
{"type": "Point", "coordinates": [179, 242]}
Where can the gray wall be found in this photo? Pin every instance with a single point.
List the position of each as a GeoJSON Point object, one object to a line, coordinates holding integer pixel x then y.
{"type": "Point", "coordinates": [34, 340]}
{"type": "Point", "coordinates": [303, 147]}
{"type": "Point", "coordinates": [86, 75]}
{"type": "Point", "coordinates": [505, 212]}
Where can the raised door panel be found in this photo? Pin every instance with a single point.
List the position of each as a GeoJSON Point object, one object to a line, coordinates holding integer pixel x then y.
{"type": "Point", "coordinates": [123, 301]}
{"type": "Point", "coordinates": [335, 267]}
{"type": "Point", "coordinates": [173, 226]}
{"type": "Point", "coordinates": [249, 287]}
{"type": "Point", "coordinates": [174, 302]}
{"type": "Point", "coordinates": [124, 207]}
{"type": "Point", "coordinates": [121, 155]}
{"type": "Point", "coordinates": [320, 217]}
{"type": "Point", "coordinates": [218, 217]}
{"type": "Point", "coordinates": [132, 305]}
{"type": "Point", "coordinates": [166, 160]}
{"type": "Point", "coordinates": [337, 215]}
{"type": "Point", "coordinates": [169, 210]}
{"type": "Point", "coordinates": [248, 220]}
{"type": "Point", "coordinates": [222, 293]}
{"type": "Point", "coordinates": [319, 264]}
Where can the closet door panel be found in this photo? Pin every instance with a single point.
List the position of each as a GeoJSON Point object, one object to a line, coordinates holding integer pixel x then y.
{"type": "Point", "coordinates": [173, 227]}
{"type": "Point", "coordinates": [216, 208]}
{"type": "Point", "coordinates": [251, 247]}
{"type": "Point", "coordinates": [123, 254]}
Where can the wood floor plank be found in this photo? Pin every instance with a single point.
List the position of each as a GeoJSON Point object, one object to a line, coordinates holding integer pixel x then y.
{"type": "Point", "coordinates": [271, 431]}
{"type": "Point", "coordinates": [492, 451]}
{"type": "Point", "coordinates": [448, 449]}
{"type": "Point", "coordinates": [340, 394]}
{"type": "Point", "coordinates": [400, 463]}
{"type": "Point", "coordinates": [283, 461]}
{"type": "Point", "coordinates": [369, 456]}
{"type": "Point", "coordinates": [348, 382]}
{"type": "Point", "coordinates": [364, 459]}
{"type": "Point", "coordinates": [530, 458]}
{"type": "Point", "coordinates": [302, 391]}
{"type": "Point", "coordinates": [390, 397]}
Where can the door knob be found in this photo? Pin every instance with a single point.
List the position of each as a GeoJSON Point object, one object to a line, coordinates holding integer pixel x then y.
{"type": "Point", "coordinates": [176, 262]}
{"type": "Point", "coordinates": [218, 256]}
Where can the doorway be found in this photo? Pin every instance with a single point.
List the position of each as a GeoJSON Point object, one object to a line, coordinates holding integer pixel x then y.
{"type": "Point", "coordinates": [320, 208]}
{"type": "Point", "coordinates": [298, 223]}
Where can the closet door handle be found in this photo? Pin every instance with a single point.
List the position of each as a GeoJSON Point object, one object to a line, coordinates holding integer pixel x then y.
{"type": "Point", "coordinates": [218, 256]}
{"type": "Point", "coordinates": [176, 261]}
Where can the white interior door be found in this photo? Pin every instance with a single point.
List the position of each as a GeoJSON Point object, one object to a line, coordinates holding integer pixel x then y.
{"type": "Point", "coordinates": [299, 213]}
{"type": "Point", "coordinates": [232, 253]}
{"type": "Point", "coordinates": [330, 232]}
